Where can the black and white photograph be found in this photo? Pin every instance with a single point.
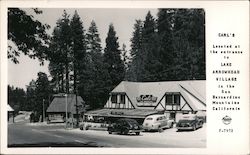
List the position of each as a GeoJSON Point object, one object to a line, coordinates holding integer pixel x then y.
{"type": "Point", "coordinates": [124, 77]}
{"type": "Point", "coordinates": [99, 77]}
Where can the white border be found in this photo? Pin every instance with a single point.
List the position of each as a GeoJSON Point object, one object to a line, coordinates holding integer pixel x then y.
{"type": "Point", "coordinates": [213, 6]}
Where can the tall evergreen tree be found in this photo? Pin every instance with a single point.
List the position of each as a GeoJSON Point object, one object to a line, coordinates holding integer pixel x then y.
{"type": "Point", "coordinates": [95, 73]}
{"type": "Point", "coordinates": [66, 42]}
{"type": "Point", "coordinates": [31, 96]}
{"type": "Point", "coordinates": [197, 34]}
{"type": "Point", "coordinates": [43, 92]}
{"type": "Point", "coordinates": [60, 51]}
{"type": "Point", "coordinates": [165, 24]}
{"type": "Point", "coordinates": [93, 39]}
{"type": "Point", "coordinates": [188, 35]}
{"type": "Point", "coordinates": [78, 46]}
{"type": "Point", "coordinates": [112, 58]}
{"type": "Point", "coordinates": [172, 48]}
{"type": "Point", "coordinates": [136, 51]}
{"type": "Point", "coordinates": [149, 55]}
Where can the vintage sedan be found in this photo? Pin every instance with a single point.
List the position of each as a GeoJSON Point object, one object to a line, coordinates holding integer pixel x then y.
{"type": "Point", "coordinates": [125, 126]}
{"type": "Point", "coordinates": [157, 122]}
{"type": "Point", "coordinates": [189, 122]}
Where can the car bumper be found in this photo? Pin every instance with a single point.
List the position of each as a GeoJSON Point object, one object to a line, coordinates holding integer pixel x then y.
{"type": "Point", "coordinates": [150, 127]}
{"type": "Point", "coordinates": [134, 131]}
{"type": "Point", "coordinates": [185, 128]}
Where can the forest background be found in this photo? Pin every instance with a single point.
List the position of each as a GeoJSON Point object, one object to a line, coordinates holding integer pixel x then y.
{"type": "Point", "coordinates": [170, 47]}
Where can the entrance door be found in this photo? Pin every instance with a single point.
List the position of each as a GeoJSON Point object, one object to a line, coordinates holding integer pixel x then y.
{"type": "Point", "coordinates": [172, 115]}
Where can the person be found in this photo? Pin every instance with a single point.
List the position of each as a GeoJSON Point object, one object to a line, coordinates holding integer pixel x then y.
{"type": "Point", "coordinates": [31, 117]}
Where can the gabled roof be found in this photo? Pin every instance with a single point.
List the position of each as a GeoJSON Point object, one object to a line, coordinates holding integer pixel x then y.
{"type": "Point", "coordinates": [59, 104]}
{"type": "Point", "coordinates": [194, 91]}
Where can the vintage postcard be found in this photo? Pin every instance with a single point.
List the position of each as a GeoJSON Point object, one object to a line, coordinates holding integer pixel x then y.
{"type": "Point", "coordinates": [124, 77]}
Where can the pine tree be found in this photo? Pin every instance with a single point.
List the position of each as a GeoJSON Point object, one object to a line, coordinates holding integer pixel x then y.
{"type": "Point", "coordinates": [112, 58]}
{"type": "Point", "coordinates": [136, 49]}
{"type": "Point", "coordinates": [60, 51]}
{"type": "Point", "coordinates": [78, 46]}
{"type": "Point", "coordinates": [149, 55]}
{"type": "Point", "coordinates": [95, 74]}
{"type": "Point", "coordinates": [188, 35]}
{"type": "Point", "coordinates": [66, 42]}
{"type": "Point", "coordinates": [43, 93]}
{"type": "Point", "coordinates": [197, 27]}
{"type": "Point", "coordinates": [165, 24]}
{"type": "Point", "coordinates": [31, 96]}
{"type": "Point", "coordinates": [93, 38]}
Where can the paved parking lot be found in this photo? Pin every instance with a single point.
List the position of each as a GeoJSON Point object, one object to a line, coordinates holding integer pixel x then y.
{"type": "Point", "coordinates": [168, 137]}
{"type": "Point", "coordinates": [44, 135]}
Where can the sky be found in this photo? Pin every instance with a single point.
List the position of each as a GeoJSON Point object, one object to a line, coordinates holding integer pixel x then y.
{"type": "Point", "coordinates": [19, 75]}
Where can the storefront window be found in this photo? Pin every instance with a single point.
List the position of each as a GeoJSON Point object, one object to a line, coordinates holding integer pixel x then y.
{"type": "Point", "coordinates": [169, 99]}
{"type": "Point", "coordinates": [173, 99]}
{"type": "Point", "coordinates": [177, 99]}
{"type": "Point", "coordinates": [122, 99]}
{"type": "Point", "coordinates": [114, 98]}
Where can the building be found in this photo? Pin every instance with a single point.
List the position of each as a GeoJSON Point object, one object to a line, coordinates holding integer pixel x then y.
{"type": "Point", "coordinates": [57, 109]}
{"type": "Point", "coordinates": [140, 99]}
{"type": "Point", "coordinates": [11, 113]}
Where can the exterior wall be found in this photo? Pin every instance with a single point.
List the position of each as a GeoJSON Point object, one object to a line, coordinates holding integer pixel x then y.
{"type": "Point", "coordinates": [174, 111]}
{"type": "Point", "coordinates": [56, 117]}
{"type": "Point", "coordinates": [182, 105]}
{"type": "Point", "coordinates": [119, 105]}
{"type": "Point", "coordinates": [159, 107]}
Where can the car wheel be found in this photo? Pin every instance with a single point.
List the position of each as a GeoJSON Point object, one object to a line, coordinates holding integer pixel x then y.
{"type": "Point", "coordinates": [81, 128]}
{"type": "Point", "coordinates": [110, 132]}
{"type": "Point", "coordinates": [137, 133]}
{"type": "Point", "coordinates": [125, 132]}
{"type": "Point", "coordinates": [194, 128]}
{"type": "Point", "coordinates": [160, 129]}
{"type": "Point", "coordinates": [172, 125]}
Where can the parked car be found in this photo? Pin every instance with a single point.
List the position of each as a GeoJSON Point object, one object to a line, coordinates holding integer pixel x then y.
{"type": "Point", "coordinates": [189, 122]}
{"type": "Point", "coordinates": [93, 126]}
{"type": "Point", "coordinates": [94, 123]}
{"type": "Point", "coordinates": [125, 126]}
{"type": "Point", "coordinates": [157, 122]}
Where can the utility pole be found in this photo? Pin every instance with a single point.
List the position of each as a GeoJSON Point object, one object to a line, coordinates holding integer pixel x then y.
{"type": "Point", "coordinates": [77, 112]}
{"type": "Point", "coordinates": [75, 91]}
{"type": "Point", "coordinates": [66, 109]}
{"type": "Point", "coordinates": [43, 111]}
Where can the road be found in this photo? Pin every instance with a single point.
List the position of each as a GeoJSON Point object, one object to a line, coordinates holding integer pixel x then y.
{"type": "Point", "coordinates": [28, 135]}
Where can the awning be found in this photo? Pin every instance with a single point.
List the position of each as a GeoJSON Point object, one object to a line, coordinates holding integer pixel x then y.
{"type": "Point", "coordinates": [129, 113]}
